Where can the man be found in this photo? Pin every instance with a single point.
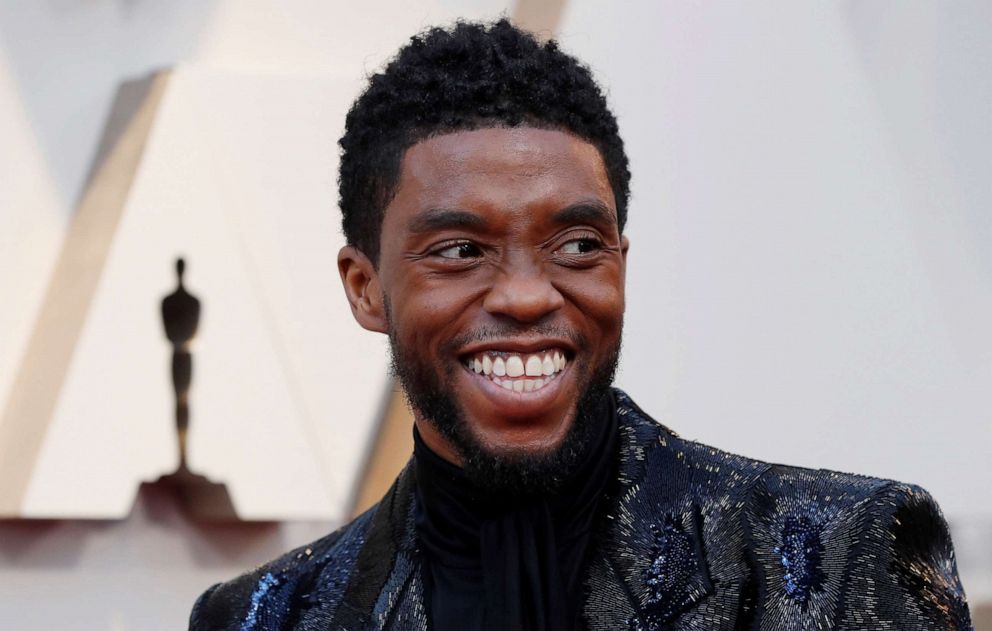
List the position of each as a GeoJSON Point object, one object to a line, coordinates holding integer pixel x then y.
{"type": "Point", "coordinates": [484, 189]}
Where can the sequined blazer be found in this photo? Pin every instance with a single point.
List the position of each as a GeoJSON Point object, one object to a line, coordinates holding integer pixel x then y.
{"type": "Point", "coordinates": [693, 538]}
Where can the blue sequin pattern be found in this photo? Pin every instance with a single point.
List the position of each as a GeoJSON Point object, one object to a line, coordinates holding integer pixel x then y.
{"type": "Point", "coordinates": [672, 557]}
{"type": "Point", "coordinates": [257, 601]}
{"type": "Point", "coordinates": [801, 552]}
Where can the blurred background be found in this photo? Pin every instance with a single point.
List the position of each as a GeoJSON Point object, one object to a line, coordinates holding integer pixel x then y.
{"type": "Point", "coordinates": [809, 282]}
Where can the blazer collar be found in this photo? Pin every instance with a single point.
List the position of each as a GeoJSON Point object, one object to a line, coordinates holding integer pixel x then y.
{"type": "Point", "coordinates": [650, 551]}
{"type": "Point", "coordinates": [385, 565]}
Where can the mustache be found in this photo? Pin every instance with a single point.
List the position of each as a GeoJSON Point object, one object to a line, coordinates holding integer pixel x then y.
{"type": "Point", "coordinates": [516, 331]}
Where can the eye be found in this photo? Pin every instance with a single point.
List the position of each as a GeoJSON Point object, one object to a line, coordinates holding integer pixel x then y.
{"type": "Point", "coordinates": [582, 245]}
{"type": "Point", "coordinates": [460, 251]}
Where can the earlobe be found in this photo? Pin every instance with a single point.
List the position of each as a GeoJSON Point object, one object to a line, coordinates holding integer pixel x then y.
{"type": "Point", "coordinates": [362, 287]}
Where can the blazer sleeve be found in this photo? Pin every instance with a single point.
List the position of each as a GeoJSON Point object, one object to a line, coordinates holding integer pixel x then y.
{"type": "Point", "coordinates": [903, 573]}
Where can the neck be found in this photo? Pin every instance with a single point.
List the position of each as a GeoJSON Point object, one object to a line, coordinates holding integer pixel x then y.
{"type": "Point", "coordinates": [436, 442]}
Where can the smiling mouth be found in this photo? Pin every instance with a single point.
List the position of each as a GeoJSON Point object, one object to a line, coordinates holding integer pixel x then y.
{"type": "Point", "coordinates": [519, 372]}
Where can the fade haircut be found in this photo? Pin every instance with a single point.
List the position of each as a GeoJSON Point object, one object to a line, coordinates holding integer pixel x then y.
{"type": "Point", "coordinates": [469, 76]}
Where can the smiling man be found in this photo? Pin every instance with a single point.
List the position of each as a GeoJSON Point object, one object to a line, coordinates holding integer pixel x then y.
{"type": "Point", "coordinates": [484, 189]}
{"type": "Point", "coordinates": [501, 288]}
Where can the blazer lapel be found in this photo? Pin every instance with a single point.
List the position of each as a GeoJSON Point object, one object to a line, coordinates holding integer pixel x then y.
{"type": "Point", "coordinates": [380, 587]}
{"type": "Point", "coordinates": [651, 555]}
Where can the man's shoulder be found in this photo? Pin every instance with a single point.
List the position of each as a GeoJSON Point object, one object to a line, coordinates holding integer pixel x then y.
{"type": "Point", "coordinates": [672, 459]}
{"type": "Point", "coordinates": [861, 551]}
{"type": "Point", "coordinates": [268, 597]}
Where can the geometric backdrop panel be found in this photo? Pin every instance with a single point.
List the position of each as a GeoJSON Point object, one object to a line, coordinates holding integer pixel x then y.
{"type": "Point", "coordinates": [236, 175]}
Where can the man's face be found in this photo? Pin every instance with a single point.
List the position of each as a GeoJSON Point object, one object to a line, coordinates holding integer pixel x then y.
{"type": "Point", "coordinates": [502, 277]}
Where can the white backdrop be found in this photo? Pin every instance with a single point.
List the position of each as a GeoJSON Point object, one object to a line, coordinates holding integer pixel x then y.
{"type": "Point", "coordinates": [810, 272]}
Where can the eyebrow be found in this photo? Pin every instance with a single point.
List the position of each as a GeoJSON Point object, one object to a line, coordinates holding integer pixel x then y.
{"type": "Point", "coordinates": [445, 219]}
{"type": "Point", "coordinates": [593, 211]}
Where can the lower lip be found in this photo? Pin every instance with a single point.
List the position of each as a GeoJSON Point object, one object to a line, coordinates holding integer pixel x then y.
{"type": "Point", "coordinates": [511, 403]}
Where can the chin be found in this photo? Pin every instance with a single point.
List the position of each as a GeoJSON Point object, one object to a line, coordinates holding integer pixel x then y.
{"type": "Point", "coordinates": [524, 460]}
{"type": "Point", "coordinates": [538, 439]}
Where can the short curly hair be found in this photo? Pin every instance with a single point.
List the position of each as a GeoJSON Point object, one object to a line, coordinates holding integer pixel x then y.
{"type": "Point", "coordinates": [470, 76]}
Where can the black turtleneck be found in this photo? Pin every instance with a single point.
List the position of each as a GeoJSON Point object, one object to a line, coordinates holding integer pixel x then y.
{"type": "Point", "coordinates": [493, 561]}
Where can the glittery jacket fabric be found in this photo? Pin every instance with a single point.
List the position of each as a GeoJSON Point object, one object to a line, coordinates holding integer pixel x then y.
{"type": "Point", "coordinates": [693, 539]}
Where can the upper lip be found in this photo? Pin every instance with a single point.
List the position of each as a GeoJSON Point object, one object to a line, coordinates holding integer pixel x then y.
{"type": "Point", "coordinates": [519, 345]}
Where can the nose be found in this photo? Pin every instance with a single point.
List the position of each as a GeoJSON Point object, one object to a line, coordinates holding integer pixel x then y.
{"type": "Point", "coordinates": [524, 293]}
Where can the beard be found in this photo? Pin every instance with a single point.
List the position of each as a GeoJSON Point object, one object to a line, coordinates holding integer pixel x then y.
{"type": "Point", "coordinates": [504, 471]}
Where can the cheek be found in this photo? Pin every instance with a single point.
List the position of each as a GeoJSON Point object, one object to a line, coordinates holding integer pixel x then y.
{"type": "Point", "coordinates": [599, 299]}
{"type": "Point", "coordinates": [431, 310]}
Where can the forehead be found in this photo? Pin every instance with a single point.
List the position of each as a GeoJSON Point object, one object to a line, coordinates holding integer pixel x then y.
{"type": "Point", "coordinates": [516, 170]}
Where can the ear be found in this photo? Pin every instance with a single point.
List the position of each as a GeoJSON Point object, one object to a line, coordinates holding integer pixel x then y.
{"type": "Point", "coordinates": [361, 286]}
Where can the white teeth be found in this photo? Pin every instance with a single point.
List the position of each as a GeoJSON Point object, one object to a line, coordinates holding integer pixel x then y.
{"type": "Point", "coordinates": [547, 366]}
{"type": "Point", "coordinates": [504, 370]}
{"type": "Point", "coordinates": [533, 366]}
{"type": "Point", "coordinates": [514, 366]}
